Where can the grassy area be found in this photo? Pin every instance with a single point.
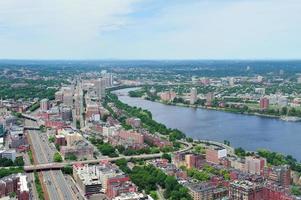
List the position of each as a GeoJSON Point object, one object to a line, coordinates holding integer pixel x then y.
{"type": "Point", "coordinates": [13, 170]}
{"type": "Point", "coordinates": [38, 186]}
{"type": "Point", "coordinates": [30, 157]}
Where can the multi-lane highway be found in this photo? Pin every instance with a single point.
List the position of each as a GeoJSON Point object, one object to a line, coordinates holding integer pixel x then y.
{"type": "Point", "coordinates": [54, 180]}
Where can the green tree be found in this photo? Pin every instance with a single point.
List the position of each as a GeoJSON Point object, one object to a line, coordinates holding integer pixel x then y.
{"type": "Point", "coordinates": [57, 157]}
{"type": "Point", "coordinates": [166, 156]}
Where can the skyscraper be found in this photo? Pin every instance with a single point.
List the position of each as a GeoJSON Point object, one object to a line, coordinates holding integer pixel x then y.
{"type": "Point", "coordinates": [193, 95]}
{"type": "Point", "coordinates": [44, 104]}
{"type": "Point", "coordinates": [100, 85]}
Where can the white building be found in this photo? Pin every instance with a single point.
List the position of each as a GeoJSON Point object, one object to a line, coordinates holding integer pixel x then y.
{"type": "Point", "coordinates": [193, 96]}
{"type": "Point", "coordinates": [44, 104]}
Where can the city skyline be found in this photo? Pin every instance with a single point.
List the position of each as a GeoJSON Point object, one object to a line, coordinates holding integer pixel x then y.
{"type": "Point", "coordinates": [150, 29]}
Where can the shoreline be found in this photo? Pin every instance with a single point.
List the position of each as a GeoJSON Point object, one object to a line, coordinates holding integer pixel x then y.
{"type": "Point", "coordinates": [231, 147]}
{"type": "Point", "coordinates": [218, 109]}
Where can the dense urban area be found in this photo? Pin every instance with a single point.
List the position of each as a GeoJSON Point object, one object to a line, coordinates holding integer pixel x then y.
{"type": "Point", "coordinates": [65, 134]}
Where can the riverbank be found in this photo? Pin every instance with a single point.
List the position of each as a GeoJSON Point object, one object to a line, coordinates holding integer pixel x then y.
{"type": "Point", "coordinates": [280, 117]}
{"type": "Point", "coordinates": [246, 130]}
{"type": "Point", "coordinates": [289, 118]}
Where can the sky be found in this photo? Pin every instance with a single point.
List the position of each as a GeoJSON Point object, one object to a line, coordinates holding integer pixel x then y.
{"type": "Point", "coordinates": [150, 29]}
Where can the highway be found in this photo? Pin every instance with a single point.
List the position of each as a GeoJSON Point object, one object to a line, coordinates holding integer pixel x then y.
{"type": "Point", "coordinates": [54, 180]}
{"type": "Point", "coordinates": [53, 165]}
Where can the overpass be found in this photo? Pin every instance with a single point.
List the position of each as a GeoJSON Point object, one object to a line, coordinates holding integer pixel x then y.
{"type": "Point", "coordinates": [230, 150]}
{"type": "Point", "coordinates": [54, 165]}
{"type": "Point", "coordinates": [31, 128]}
{"type": "Point", "coordinates": [29, 117]}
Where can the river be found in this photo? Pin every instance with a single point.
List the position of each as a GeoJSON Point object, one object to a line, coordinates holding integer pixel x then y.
{"type": "Point", "coordinates": [246, 131]}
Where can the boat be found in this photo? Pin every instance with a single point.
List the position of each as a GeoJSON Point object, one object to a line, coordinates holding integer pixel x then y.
{"type": "Point", "coordinates": [290, 118]}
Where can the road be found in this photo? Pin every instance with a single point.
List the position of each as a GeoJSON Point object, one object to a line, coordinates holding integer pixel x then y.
{"type": "Point", "coordinates": [53, 165]}
{"type": "Point", "coordinates": [54, 180]}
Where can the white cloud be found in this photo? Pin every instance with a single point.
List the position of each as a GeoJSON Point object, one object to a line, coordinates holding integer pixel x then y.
{"type": "Point", "coordinates": [62, 20]}
{"type": "Point", "coordinates": [161, 29]}
{"type": "Point", "coordinates": [222, 29]}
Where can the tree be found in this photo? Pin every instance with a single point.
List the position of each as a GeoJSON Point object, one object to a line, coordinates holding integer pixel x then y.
{"type": "Point", "coordinates": [19, 161]}
{"type": "Point", "coordinates": [51, 139]}
{"type": "Point", "coordinates": [240, 152]}
{"type": "Point", "coordinates": [67, 170]}
{"type": "Point", "coordinates": [57, 157]}
{"type": "Point", "coordinates": [71, 156]}
{"type": "Point", "coordinates": [295, 190]}
{"type": "Point", "coordinates": [189, 139]}
{"type": "Point", "coordinates": [167, 156]}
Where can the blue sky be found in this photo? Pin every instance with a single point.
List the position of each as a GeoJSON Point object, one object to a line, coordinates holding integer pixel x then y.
{"type": "Point", "coordinates": [150, 29]}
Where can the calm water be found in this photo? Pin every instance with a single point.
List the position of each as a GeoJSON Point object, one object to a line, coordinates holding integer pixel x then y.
{"type": "Point", "coordinates": [249, 132]}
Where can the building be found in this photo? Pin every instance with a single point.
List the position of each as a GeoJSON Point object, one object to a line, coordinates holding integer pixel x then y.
{"type": "Point", "coordinates": [68, 96]}
{"type": "Point", "coordinates": [66, 114]}
{"type": "Point", "coordinates": [132, 196]}
{"type": "Point", "coordinates": [259, 79]}
{"type": "Point", "coordinates": [92, 109]}
{"type": "Point", "coordinates": [156, 141]}
{"type": "Point", "coordinates": [276, 192]}
{"type": "Point", "coordinates": [168, 96]}
{"type": "Point", "coordinates": [9, 154]}
{"type": "Point", "coordinates": [209, 98]}
{"type": "Point", "coordinates": [206, 191]}
{"type": "Point", "coordinates": [255, 165]}
{"type": "Point", "coordinates": [81, 149]}
{"type": "Point", "coordinates": [264, 103]}
{"type": "Point", "coordinates": [188, 160]}
{"type": "Point", "coordinates": [214, 155]}
{"type": "Point", "coordinates": [60, 140]}
{"type": "Point", "coordinates": [109, 131]}
{"type": "Point", "coordinates": [193, 161]}
{"type": "Point", "coordinates": [87, 179]}
{"type": "Point", "coordinates": [119, 185]}
{"type": "Point", "coordinates": [15, 183]}
{"type": "Point", "coordinates": [134, 122]}
{"type": "Point", "coordinates": [280, 174]}
{"type": "Point", "coordinates": [59, 96]}
{"type": "Point", "coordinates": [245, 190]}
{"type": "Point", "coordinates": [193, 96]}
{"type": "Point", "coordinates": [100, 86]}
{"type": "Point", "coordinates": [93, 179]}
{"type": "Point", "coordinates": [17, 136]}
{"type": "Point", "coordinates": [128, 139]}
{"type": "Point", "coordinates": [2, 130]}
{"type": "Point", "coordinates": [108, 78]}
{"type": "Point", "coordinates": [23, 190]}
{"type": "Point", "coordinates": [44, 105]}
{"type": "Point", "coordinates": [71, 136]}
{"type": "Point", "coordinates": [231, 81]}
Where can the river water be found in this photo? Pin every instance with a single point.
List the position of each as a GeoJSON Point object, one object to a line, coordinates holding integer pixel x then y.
{"type": "Point", "coordinates": [248, 132]}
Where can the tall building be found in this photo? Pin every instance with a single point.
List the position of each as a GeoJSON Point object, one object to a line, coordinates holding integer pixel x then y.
{"type": "Point", "coordinates": [193, 96]}
{"type": "Point", "coordinates": [59, 95]}
{"type": "Point", "coordinates": [44, 104]}
{"type": "Point", "coordinates": [214, 155]}
{"type": "Point", "coordinates": [68, 96]}
{"type": "Point", "coordinates": [204, 191]}
{"type": "Point", "coordinates": [264, 103]}
{"type": "Point", "coordinates": [168, 96]}
{"type": "Point", "coordinates": [209, 98]}
{"type": "Point", "coordinates": [118, 185]}
{"type": "Point", "coordinates": [108, 79]}
{"type": "Point", "coordinates": [100, 86]}
{"type": "Point", "coordinates": [231, 81]}
{"type": "Point", "coordinates": [245, 190]}
{"type": "Point", "coordinates": [281, 175]}
{"type": "Point", "coordinates": [188, 160]}
{"type": "Point", "coordinates": [255, 165]}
